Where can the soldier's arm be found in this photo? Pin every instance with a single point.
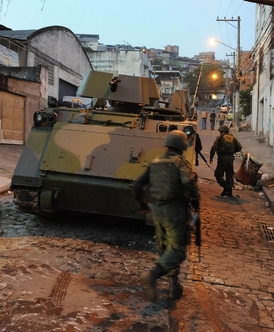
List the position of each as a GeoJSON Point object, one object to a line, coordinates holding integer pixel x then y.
{"type": "Point", "coordinates": [137, 188]}
{"type": "Point", "coordinates": [238, 146]}
{"type": "Point", "coordinates": [190, 186]}
{"type": "Point", "coordinates": [214, 149]}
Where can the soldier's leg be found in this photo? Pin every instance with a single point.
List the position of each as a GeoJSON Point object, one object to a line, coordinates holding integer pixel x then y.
{"type": "Point", "coordinates": [175, 289]}
{"type": "Point", "coordinates": [170, 229]}
{"type": "Point", "coordinates": [149, 279]}
{"type": "Point", "coordinates": [219, 175]}
{"type": "Point", "coordinates": [229, 177]}
{"type": "Point", "coordinates": [159, 235]}
{"type": "Point", "coordinates": [175, 253]}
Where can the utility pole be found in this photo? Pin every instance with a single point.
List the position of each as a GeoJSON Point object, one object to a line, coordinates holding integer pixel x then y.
{"type": "Point", "coordinates": [238, 64]}
{"type": "Point", "coordinates": [234, 81]}
{"type": "Point", "coordinates": [197, 86]}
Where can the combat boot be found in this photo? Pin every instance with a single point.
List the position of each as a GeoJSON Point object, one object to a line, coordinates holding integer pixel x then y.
{"type": "Point", "coordinates": [229, 192]}
{"type": "Point", "coordinates": [148, 281]}
{"type": "Point", "coordinates": [175, 289]}
{"type": "Point", "coordinates": [224, 192]}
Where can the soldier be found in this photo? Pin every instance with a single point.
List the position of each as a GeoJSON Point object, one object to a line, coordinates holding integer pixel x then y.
{"type": "Point", "coordinates": [212, 119]}
{"type": "Point", "coordinates": [204, 119]}
{"type": "Point", "coordinates": [198, 148]}
{"type": "Point", "coordinates": [226, 145]}
{"type": "Point", "coordinates": [221, 118]}
{"type": "Point", "coordinates": [173, 187]}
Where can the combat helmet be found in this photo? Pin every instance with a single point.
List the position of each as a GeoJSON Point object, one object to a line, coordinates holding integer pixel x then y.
{"type": "Point", "coordinates": [177, 139]}
{"type": "Point", "coordinates": [223, 129]}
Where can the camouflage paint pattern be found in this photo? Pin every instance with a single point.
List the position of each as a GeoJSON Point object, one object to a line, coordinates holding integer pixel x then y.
{"type": "Point", "coordinates": [86, 160]}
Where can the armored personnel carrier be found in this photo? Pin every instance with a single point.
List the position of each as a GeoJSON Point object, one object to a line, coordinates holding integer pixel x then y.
{"type": "Point", "coordinates": [85, 160]}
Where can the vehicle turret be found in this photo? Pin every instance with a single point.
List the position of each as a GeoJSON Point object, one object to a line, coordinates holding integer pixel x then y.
{"type": "Point", "coordinates": [85, 159]}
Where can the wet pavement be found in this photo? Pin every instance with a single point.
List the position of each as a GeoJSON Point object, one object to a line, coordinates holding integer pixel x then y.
{"type": "Point", "coordinates": [9, 155]}
{"type": "Point", "coordinates": [56, 281]}
{"type": "Point", "coordinates": [78, 276]}
{"type": "Point", "coordinates": [262, 152]}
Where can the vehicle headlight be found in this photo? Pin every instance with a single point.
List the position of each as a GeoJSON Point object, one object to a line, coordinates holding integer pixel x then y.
{"type": "Point", "coordinates": [43, 118]}
{"type": "Point", "coordinates": [188, 130]}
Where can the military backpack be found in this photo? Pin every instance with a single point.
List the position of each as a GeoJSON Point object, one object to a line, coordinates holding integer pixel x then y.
{"type": "Point", "coordinates": [227, 143]}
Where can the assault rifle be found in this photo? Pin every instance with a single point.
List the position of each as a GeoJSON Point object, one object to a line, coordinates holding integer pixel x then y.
{"type": "Point", "coordinates": [200, 153]}
{"type": "Point", "coordinates": [195, 226]}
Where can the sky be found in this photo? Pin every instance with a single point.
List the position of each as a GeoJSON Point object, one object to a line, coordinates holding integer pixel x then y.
{"type": "Point", "coordinates": [189, 24]}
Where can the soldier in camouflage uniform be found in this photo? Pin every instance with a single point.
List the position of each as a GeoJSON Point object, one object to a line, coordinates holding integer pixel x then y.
{"type": "Point", "coordinates": [224, 171]}
{"type": "Point", "coordinates": [173, 187]}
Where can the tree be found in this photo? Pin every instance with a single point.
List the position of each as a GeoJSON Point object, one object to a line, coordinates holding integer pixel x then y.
{"type": "Point", "coordinates": [9, 1]}
{"type": "Point", "coordinates": [245, 101]}
{"type": "Point", "coordinates": [211, 81]}
{"type": "Point", "coordinates": [156, 61]}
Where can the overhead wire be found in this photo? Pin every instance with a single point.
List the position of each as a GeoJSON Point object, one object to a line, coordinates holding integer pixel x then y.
{"type": "Point", "coordinates": [245, 64]}
{"type": "Point", "coordinates": [238, 8]}
{"type": "Point", "coordinates": [268, 35]}
{"type": "Point", "coordinates": [229, 7]}
{"type": "Point", "coordinates": [246, 61]}
{"type": "Point", "coordinates": [227, 31]}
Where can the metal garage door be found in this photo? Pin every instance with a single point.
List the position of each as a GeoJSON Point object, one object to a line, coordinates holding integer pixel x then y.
{"type": "Point", "coordinates": [11, 118]}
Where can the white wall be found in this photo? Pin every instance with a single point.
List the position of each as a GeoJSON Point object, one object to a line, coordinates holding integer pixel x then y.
{"type": "Point", "coordinates": [59, 50]}
{"type": "Point", "coordinates": [262, 120]}
{"type": "Point", "coordinates": [131, 62]}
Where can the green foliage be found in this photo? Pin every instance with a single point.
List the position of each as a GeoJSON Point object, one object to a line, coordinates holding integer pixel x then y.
{"type": "Point", "coordinates": [88, 49]}
{"type": "Point", "coordinates": [208, 84]}
{"type": "Point", "coordinates": [157, 61]}
{"type": "Point", "coordinates": [246, 101]}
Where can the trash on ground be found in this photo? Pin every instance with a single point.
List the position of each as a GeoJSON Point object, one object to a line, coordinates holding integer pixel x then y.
{"type": "Point", "coordinates": [264, 176]}
{"type": "Point", "coordinates": [268, 182]}
{"type": "Point", "coordinates": [248, 171]}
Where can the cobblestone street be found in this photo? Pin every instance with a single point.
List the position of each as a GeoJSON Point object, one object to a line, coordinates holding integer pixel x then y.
{"type": "Point", "coordinates": [82, 274]}
{"type": "Point", "coordinates": [77, 278]}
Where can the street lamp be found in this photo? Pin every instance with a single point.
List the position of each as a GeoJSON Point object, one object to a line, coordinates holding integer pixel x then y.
{"type": "Point", "coordinates": [236, 80]}
{"type": "Point", "coordinates": [238, 57]}
{"type": "Point", "coordinates": [197, 85]}
{"type": "Point", "coordinates": [217, 41]}
{"type": "Point", "coordinates": [234, 49]}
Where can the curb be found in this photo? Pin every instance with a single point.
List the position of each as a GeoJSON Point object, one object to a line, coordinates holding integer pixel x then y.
{"type": "Point", "coordinates": [268, 192]}
{"type": "Point", "coordinates": [5, 183]}
{"type": "Point", "coordinates": [4, 189]}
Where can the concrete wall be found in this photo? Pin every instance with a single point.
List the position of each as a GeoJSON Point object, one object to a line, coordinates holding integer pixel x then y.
{"type": "Point", "coordinates": [33, 87]}
{"type": "Point", "coordinates": [59, 50]}
{"type": "Point", "coordinates": [262, 120]}
{"type": "Point", "coordinates": [130, 62]}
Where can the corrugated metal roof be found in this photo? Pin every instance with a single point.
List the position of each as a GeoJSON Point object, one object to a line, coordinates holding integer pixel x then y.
{"type": "Point", "coordinates": [18, 34]}
{"type": "Point", "coordinates": [263, 2]}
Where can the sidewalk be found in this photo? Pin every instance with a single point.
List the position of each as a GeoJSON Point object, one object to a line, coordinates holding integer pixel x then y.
{"type": "Point", "coordinates": [250, 143]}
{"type": "Point", "coordinates": [262, 152]}
{"type": "Point", "coordinates": [9, 155]}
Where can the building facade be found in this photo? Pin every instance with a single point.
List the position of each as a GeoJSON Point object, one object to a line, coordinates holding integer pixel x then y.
{"type": "Point", "coordinates": [54, 47]}
{"type": "Point", "coordinates": [262, 120]}
{"type": "Point", "coordinates": [124, 62]}
{"type": "Point", "coordinates": [62, 64]}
